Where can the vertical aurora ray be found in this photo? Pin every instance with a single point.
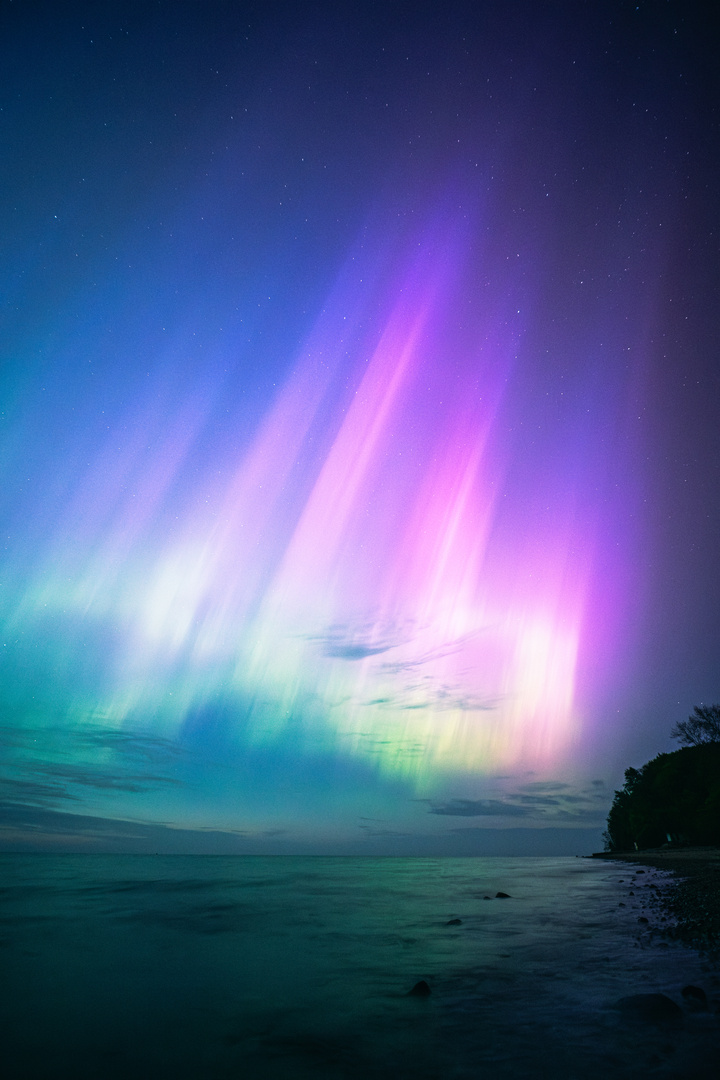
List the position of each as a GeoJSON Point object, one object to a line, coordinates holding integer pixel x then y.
{"type": "Point", "coordinates": [356, 572]}
{"type": "Point", "coordinates": [382, 605]}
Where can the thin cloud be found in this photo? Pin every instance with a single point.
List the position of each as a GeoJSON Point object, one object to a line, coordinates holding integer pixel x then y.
{"type": "Point", "coordinates": [539, 800]}
{"type": "Point", "coordinates": [368, 830]}
{"type": "Point", "coordinates": [21, 792]}
{"type": "Point", "coordinates": [30, 827]}
{"type": "Point", "coordinates": [132, 744]}
{"type": "Point", "coordinates": [545, 785]}
{"type": "Point", "coordinates": [546, 801]}
{"type": "Point", "coordinates": [48, 766]}
{"type": "Point", "coordinates": [103, 779]}
{"type": "Point", "coordinates": [127, 742]}
{"type": "Point", "coordinates": [449, 648]}
{"type": "Point", "coordinates": [353, 652]}
{"type": "Point", "coordinates": [357, 642]}
{"type": "Point", "coordinates": [478, 808]}
{"type": "Point", "coordinates": [445, 698]}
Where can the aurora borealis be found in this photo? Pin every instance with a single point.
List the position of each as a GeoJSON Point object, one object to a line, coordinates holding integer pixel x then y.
{"type": "Point", "coordinates": [357, 387]}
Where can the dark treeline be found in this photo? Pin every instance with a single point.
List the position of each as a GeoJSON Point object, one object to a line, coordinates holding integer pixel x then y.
{"type": "Point", "coordinates": [675, 798]}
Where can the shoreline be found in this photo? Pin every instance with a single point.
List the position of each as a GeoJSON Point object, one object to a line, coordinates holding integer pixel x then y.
{"type": "Point", "coordinates": [691, 897]}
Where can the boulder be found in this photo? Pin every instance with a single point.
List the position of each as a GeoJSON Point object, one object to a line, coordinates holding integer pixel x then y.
{"type": "Point", "coordinates": [695, 997]}
{"type": "Point", "coordinates": [651, 1008]}
{"type": "Point", "coordinates": [420, 989]}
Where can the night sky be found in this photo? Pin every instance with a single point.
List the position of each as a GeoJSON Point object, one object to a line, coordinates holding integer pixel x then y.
{"type": "Point", "coordinates": [360, 399]}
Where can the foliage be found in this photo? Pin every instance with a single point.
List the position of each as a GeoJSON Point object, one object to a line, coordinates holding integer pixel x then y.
{"type": "Point", "coordinates": [702, 726]}
{"type": "Point", "coordinates": [675, 797]}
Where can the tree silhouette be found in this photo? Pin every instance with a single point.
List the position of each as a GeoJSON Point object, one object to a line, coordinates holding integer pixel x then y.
{"type": "Point", "coordinates": [702, 726]}
{"type": "Point", "coordinates": [675, 798]}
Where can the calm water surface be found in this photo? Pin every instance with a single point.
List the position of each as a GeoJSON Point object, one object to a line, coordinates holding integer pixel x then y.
{"type": "Point", "coordinates": [273, 968]}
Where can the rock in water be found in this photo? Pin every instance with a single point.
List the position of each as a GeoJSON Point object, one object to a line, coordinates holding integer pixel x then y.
{"type": "Point", "coordinates": [695, 996]}
{"type": "Point", "coordinates": [502, 896]}
{"type": "Point", "coordinates": [653, 1008]}
{"type": "Point", "coordinates": [454, 922]}
{"type": "Point", "coordinates": [420, 989]}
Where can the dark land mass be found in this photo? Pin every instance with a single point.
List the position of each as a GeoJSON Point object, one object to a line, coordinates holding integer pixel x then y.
{"type": "Point", "coordinates": [691, 898]}
{"type": "Point", "coordinates": [676, 798]}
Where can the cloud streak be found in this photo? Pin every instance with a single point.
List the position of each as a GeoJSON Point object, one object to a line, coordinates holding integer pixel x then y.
{"type": "Point", "coordinates": [49, 766]}
{"type": "Point", "coordinates": [542, 801]}
{"type": "Point", "coordinates": [479, 808]}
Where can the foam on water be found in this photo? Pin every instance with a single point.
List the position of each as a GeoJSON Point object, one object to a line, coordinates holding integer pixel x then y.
{"type": "Point", "coordinates": [120, 966]}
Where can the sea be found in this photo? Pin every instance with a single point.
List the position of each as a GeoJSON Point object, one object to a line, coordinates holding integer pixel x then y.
{"type": "Point", "coordinates": [278, 968]}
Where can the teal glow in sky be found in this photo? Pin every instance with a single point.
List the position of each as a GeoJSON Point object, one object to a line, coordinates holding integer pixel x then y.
{"type": "Point", "coordinates": [340, 433]}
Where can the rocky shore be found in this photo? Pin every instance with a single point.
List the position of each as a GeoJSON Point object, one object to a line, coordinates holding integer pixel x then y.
{"type": "Point", "coordinates": [691, 898]}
